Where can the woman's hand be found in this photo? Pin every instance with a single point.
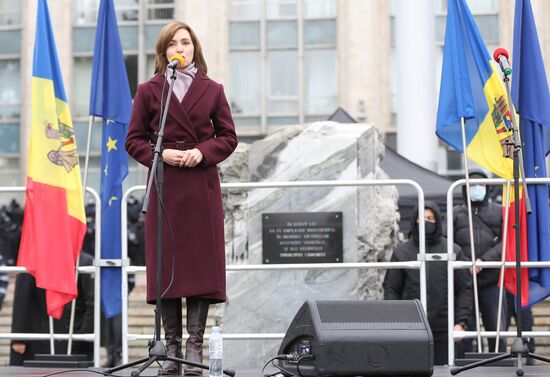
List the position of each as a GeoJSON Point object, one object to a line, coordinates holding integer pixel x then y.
{"type": "Point", "coordinates": [188, 159]}
{"type": "Point", "coordinates": [191, 158]}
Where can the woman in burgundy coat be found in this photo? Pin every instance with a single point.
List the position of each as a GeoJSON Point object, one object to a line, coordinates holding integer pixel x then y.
{"type": "Point", "coordinates": [199, 133]}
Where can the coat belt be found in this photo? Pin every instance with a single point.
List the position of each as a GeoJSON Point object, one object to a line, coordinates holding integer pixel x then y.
{"type": "Point", "coordinates": [181, 145]}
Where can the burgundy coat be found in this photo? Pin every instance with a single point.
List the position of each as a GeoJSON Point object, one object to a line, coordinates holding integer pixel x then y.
{"type": "Point", "coordinates": [193, 235]}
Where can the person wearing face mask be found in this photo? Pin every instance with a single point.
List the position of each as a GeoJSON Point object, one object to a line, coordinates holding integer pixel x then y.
{"type": "Point", "coordinates": [404, 284]}
{"type": "Point", "coordinates": [487, 228]}
{"type": "Point", "coordinates": [199, 134]}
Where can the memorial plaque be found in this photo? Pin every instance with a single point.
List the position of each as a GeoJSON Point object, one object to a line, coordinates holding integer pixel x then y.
{"type": "Point", "coordinates": [302, 237]}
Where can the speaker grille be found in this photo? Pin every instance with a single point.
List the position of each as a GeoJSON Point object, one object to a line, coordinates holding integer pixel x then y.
{"type": "Point", "coordinates": [368, 312]}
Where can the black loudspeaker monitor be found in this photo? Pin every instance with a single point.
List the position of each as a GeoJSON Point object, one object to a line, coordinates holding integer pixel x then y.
{"type": "Point", "coordinates": [358, 338]}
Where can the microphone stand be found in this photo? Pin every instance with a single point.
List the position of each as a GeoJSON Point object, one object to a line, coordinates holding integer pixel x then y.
{"type": "Point", "coordinates": [157, 349]}
{"type": "Point", "coordinates": [519, 348]}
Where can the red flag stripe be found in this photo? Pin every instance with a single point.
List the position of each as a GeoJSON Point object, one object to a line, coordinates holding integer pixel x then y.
{"type": "Point", "coordinates": [48, 227]}
{"type": "Point", "coordinates": [510, 276]}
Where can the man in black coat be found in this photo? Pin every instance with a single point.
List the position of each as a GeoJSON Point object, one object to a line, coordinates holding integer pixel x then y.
{"type": "Point", "coordinates": [487, 229]}
{"type": "Point", "coordinates": [404, 284]}
{"type": "Point", "coordinates": [29, 316]}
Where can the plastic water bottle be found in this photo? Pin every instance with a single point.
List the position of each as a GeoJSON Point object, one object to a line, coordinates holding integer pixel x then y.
{"type": "Point", "coordinates": [215, 346]}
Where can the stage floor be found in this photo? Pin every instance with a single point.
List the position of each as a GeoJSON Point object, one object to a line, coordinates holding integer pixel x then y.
{"type": "Point", "coordinates": [530, 371]}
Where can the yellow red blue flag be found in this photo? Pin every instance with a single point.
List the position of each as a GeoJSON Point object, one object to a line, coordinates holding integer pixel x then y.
{"type": "Point", "coordinates": [54, 224]}
{"type": "Point", "coordinates": [471, 88]}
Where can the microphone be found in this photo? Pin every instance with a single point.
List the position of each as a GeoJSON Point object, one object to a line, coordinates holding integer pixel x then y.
{"type": "Point", "coordinates": [176, 61]}
{"type": "Point", "coordinates": [501, 56]}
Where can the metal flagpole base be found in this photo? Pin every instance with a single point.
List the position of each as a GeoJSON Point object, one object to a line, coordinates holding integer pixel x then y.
{"type": "Point", "coordinates": [518, 351]}
{"type": "Point", "coordinates": [58, 361]}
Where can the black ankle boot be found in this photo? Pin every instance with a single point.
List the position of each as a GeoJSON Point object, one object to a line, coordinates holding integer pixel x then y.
{"type": "Point", "coordinates": [110, 363]}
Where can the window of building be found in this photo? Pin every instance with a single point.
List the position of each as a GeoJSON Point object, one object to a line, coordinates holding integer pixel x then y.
{"type": "Point", "coordinates": [282, 62]}
{"type": "Point", "coordinates": [10, 13]}
{"type": "Point", "coordinates": [10, 91]}
{"type": "Point", "coordinates": [10, 76]}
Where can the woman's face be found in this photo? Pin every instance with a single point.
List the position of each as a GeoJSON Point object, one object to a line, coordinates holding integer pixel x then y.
{"type": "Point", "coordinates": [182, 44]}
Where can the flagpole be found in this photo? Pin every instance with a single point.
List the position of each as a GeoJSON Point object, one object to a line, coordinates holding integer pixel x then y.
{"type": "Point", "coordinates": [86, 160]}
{"type": "Point", "coordinates": [506, 80]}
{"type": "Point", "coordinates": [52, 342]}
{"type": "Point", "coordinates": [84, 183]}
{"type": "Point", "coordinates": [502, 261]}
{"type": "Point", "coordinates": [471, 229]}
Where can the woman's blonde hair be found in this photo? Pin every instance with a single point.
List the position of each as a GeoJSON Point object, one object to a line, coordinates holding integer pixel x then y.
{"type": "Point", "coordinates": [165, 36]}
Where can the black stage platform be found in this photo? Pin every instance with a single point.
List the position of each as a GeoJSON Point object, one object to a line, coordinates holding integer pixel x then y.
{"type": "Point", "coordinates": [530, 371]}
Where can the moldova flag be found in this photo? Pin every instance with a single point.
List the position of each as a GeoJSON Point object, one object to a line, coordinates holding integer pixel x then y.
{"type": "Point", "coordinates": [111, 100]}
{"type": "Point", "coordinates": [471, 88]}
{"type": "Point", "coordinates": [54, 224]}
{"type": "Point", "coordinates": [532, 99]}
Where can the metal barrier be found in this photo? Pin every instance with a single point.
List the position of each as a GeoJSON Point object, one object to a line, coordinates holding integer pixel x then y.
{"type": "Point", "coordinates": [452, 265]}
{"type": "Point", "coordinates": [421, 264]}
{"type": "Point", "coordinates": [94, 337]}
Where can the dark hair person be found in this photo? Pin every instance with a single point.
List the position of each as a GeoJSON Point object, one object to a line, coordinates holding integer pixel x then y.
{"type": "Point", "coordinates": [199, 134]}
{"type": "Point", "coordinates": [404, 284]}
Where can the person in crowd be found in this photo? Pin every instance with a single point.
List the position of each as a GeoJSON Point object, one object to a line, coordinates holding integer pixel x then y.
{"type": "Point", "coordinates": [30, 316]}
{"type": "Point", "coordinates": [404, 284]}
{"type": "Point", "coordinates": [199, 134]}
{"type": "Point", "coordinates": [84, 309]}
{"type": "Point", "coordinates": [487, 229]}
{"type": "Point", "coordinates": [3, 282]}
{"type": "Point", "coordinates": [11, 223]}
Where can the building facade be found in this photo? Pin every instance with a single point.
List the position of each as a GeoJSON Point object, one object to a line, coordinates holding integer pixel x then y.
{"type": "Point", "coordinates": [282, 62]}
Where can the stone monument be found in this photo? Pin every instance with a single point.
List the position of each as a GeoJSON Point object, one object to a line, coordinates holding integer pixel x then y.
{"type": "Point", "coordinates": [266, 301]}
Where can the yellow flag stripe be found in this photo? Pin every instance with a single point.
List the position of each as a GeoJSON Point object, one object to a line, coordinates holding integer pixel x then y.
{"type": "Point", "coordinates": [485, 148]}
{"type": "Point", "coordinates": [53, 157]}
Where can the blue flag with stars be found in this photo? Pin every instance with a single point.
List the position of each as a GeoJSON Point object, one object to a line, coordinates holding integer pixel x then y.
{"type": "Point", "coordinates": [111, 100]}
{"type": "Point", "coordinates": [532, 99]}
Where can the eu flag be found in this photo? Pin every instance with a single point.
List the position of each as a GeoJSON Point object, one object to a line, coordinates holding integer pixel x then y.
{"type": "Point", "coordinates": [532, 99]}
{"type": "Point", "coordinates": [111, 100]}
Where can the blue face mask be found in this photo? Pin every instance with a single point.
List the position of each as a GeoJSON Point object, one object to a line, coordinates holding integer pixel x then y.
{"type": "Point", "coordinates": [477, 193]}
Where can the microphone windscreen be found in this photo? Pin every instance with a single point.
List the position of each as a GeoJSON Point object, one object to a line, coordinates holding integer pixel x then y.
{"type": "Point", "coordinates": [500, 51]}
{"type": "Point", "coordinates": [179, 58]}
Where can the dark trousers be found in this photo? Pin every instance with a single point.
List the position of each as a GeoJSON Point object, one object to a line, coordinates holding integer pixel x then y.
{"type": "Point", "coordinates": [526, 318]}
{"type": "Point", "coordinates": [488, 308]}
{"type": "Point", "coordinates": [441, 347]}
{"type": "Point", "coordinates": [114, 334]}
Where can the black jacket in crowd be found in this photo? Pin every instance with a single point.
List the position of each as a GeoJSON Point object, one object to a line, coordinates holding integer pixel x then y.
{"type": "Point", "coordinates": [404, 284]}
{"type": "Point", "coordinates": [487, 227]}
{"type": "Point", "coordinates": [30, 316]}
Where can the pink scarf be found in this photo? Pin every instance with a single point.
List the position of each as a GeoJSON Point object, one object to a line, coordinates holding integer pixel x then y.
{"type": "Point", "coordinates": [184, 78]}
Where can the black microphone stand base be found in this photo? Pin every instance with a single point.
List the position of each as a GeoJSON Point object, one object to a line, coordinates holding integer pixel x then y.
{"type": "Point", "coordinates": [519, 350]}
{"type": "Point", "coordinates": [157, 352]}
